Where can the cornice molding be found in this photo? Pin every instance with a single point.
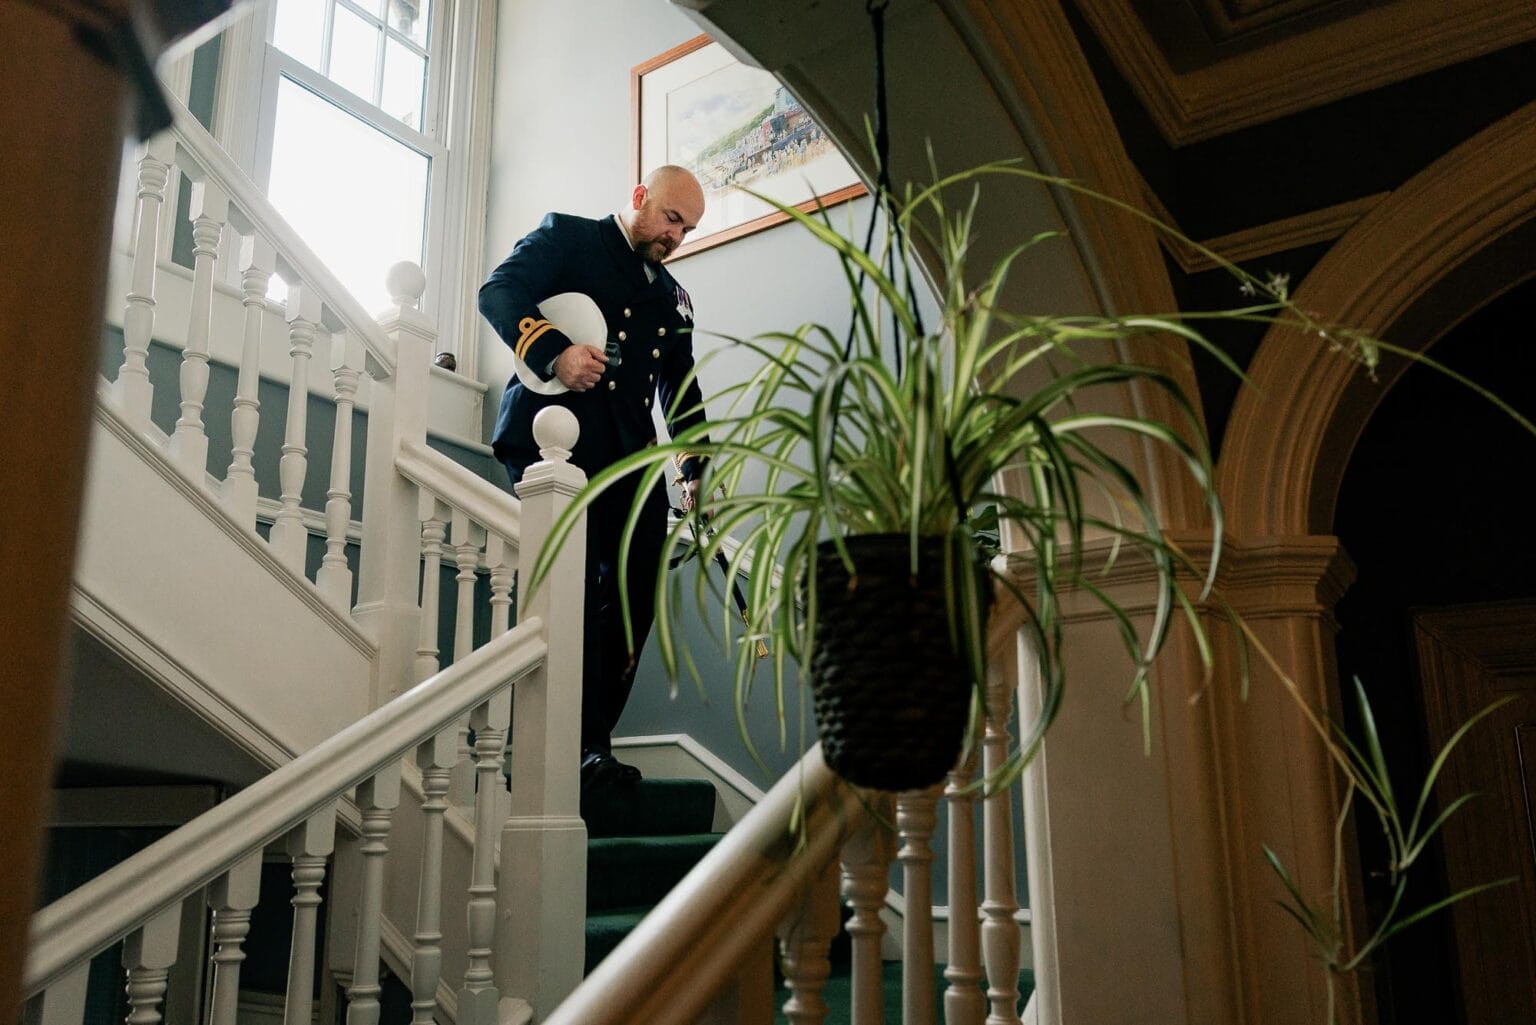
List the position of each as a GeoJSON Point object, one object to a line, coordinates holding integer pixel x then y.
{"type": "Point", "coordinates": [1377, 47]}
{"type": "Point", "coordinates": [1261, 578]}
{"type": "Point", "coordinates": [1321, 225]}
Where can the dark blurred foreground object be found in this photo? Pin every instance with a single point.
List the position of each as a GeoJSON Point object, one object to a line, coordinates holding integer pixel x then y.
{"type": "Point", "coordinates": [72, 76]}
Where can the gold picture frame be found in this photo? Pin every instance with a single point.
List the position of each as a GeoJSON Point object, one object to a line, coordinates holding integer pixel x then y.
{"type": "Point", "coordinates": [732, 125]}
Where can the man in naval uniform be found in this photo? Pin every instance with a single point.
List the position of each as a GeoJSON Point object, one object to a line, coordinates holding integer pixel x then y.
{"type": "Point", "coordinates": [617, 262]}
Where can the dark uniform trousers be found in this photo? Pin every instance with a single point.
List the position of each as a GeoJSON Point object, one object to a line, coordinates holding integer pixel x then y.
{"type": "Point", "coordinates": [650, 325]}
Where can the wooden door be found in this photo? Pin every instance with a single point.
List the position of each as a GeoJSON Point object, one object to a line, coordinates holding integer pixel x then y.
{"type": "Point", "coordinates": [1470, 656]}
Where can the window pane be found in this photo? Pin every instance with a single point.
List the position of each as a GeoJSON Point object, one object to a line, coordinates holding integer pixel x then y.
{"type": "Point", "coordinates": [354, 53]}
{"type": "Point", "coordinates": [409, 17]}
{"type": "Point", "coordinates": [300, 30]}
{"type": "Point", "coordinates": [356, 196]}
{"type": "Point", "coordinates": [404, 75]}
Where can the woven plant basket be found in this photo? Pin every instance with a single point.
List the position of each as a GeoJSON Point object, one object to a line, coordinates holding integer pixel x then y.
{"type": "Point", "coordinates": [891, 693]}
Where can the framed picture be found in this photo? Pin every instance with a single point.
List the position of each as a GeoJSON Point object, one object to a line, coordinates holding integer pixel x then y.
{"type": "Point", "coordinates": [732, 125]}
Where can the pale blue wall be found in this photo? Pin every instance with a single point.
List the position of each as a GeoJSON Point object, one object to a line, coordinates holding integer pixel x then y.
{"type": "Point", "coordinates": [562, 142]}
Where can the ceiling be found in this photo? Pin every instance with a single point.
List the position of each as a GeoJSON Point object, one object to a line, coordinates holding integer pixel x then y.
{"type": "Point", "coordinates": [1202, 68]}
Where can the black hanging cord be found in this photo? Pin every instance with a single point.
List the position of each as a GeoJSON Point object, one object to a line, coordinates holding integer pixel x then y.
{"type": "Point", "coordinates": [884, 193]}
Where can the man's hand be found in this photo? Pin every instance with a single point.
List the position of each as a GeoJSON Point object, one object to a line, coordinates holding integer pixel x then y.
{"type": "Point", "coordinates": [690, 494]}
{"type": "Point", "coordinates": [580, 366]}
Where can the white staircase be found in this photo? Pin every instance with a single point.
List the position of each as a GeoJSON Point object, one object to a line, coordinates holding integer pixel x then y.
{"type": "Point", "coordinates": [468, 888]}
{"type": "Point", "coordinates": [331, 680]}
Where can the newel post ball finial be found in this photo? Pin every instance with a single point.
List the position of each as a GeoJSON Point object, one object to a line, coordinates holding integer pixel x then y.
{"type": "Point", "coordinates": [406, 284]}
{"type": "Point", "coordinates": [555, 430]}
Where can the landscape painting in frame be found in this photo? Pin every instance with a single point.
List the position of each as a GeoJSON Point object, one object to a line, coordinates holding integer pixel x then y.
{"type": "Point", "coordinates": [735, 128]}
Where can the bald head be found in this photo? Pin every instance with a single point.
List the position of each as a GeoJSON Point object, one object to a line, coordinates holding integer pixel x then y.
{"type": "Point", "coordinates": [662, 210]}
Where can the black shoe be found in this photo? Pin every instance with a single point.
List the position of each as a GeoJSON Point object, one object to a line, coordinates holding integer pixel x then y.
{"type": "Point", "coordinates": [600, 770]}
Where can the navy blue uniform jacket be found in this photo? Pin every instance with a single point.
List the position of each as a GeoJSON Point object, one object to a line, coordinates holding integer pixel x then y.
{"type": "Point", "coordinates": [651, 322]}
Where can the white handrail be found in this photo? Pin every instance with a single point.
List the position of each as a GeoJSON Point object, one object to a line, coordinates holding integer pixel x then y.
{"type": "Point", "coordinates": [728, 904]}
{"type": "Point", "coordinates": [479, 499]}
{"type": "Point", "coordinates": [217, 164]}
{"type": "Point", "coordinates": [109, 907]}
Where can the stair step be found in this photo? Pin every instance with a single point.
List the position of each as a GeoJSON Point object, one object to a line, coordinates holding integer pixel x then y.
{"type": "Point", "coordinates": [652, 807]}
{"type": "Point", "coordinates": [606, 930]}
{"type": "Point", "coordinates": [630, 871]}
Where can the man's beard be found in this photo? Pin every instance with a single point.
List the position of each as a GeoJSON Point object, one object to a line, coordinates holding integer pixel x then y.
{"type": "Point", "coordinates": [653, 250]}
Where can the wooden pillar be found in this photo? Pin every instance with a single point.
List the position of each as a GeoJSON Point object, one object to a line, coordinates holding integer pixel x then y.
{"type": "Point", "coordinates": [65, 111]}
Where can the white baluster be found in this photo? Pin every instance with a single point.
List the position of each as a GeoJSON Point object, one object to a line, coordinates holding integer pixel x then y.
{"type": "Point", "coordinates": [499, 554]}
{"type": "Point", "coordinates": [468, 539]}
{"type": "Point", "coordinates": [189, 442]}
{"type": "Point", "coordinates": [63, 1002]}
{"type": "Point", "coordinates": [132, 386]}
{"type": "Point", "coordinates": [257, 261]}
{"type": "Point", "coordinates": [866, 860]}
{"type": "Point", "coordinates": [377, 798]}
{"type": "Point", "coordinates": [309, 845]}
{"type": "Point", "coordinates": [148, 955]}
{"type": "Point", "coordinates": [231, 898]}
{"type": "Point", "coordinates": [914, 822]}
{"type": "Point", "coordinates": [478, 996]}
{"type": "Point", "coordinates": [434, 529]}
{"type": "Point", "coordinates": [1000, 937]}
{"type": "Point", "coordinates": [335, 576]}
{"type": "Point", "coordinates": [435, 757]}
{"type": "Point", "coordinates": [964, 1003]}
{"type": "Point", "coordinates": [804, 937]}
{"type": "Point", "coordinates": [289, 538]}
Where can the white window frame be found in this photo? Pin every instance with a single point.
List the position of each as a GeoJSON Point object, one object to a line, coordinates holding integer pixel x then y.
{"type": "Point", "coordinates": [455, 136]}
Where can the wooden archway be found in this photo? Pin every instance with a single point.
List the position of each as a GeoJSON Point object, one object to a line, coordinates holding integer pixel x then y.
{"type": "Point", "coordinates": [1453, 228]}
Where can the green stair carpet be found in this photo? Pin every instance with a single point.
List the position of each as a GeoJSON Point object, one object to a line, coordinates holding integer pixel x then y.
{"type": "Point", "coordinates": [641, 841]}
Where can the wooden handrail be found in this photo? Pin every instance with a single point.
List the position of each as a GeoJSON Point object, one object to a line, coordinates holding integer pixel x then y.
{"type": "Point", "coordinates": [109, 907]}
{"type": "Point", "coordinates": [729, 904]}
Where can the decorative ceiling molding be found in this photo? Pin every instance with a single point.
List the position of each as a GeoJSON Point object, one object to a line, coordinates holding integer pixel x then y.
{"type": "Point", "coordinates": [1310, 228]}
{"type": "Point", "coordinates": [1229, 19]}
{"type": "Point", "coordinates": [1374, 48]}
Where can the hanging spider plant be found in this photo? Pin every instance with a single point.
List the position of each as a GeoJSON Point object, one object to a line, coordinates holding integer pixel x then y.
{"type": "Point", "coordinates": [903, 430]}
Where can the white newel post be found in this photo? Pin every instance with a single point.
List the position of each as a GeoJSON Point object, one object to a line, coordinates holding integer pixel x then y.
{"type": "Point", "coordinates": [389, 565]}
{"type": "Point", "coordinates": [134, 391]}
{"type": "Point", "coordinates": [289, 536]}
{"type": "Point", "coordinates": [189, 442]}
{"type": "Point", "coordinates": [540, 943]}
{"type": "Point", "coordinates": [335, 577]}
{"type": "Point", "coordinates": [258, 259]}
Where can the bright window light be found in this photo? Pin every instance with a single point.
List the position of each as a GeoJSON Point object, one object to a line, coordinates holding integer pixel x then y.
{"type": "Point", "coordinates": [355, 195]}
